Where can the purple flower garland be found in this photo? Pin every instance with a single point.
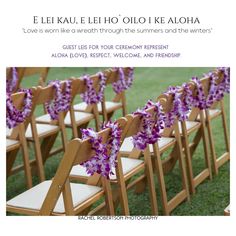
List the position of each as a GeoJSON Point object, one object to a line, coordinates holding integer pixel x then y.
{"type": "Point", "coordinates": [15, 116]}
{"type": "Point", "coordinates": [187, 100]}
{"type": "Point", "coordinates": [182, 100]}
{"type": "Point", "coordinates": [11, 84]}
{"type": "Point", "coordinates": [215, 93]}
{"type": "Point", "coordinates": [105, 157]}
{"type": "Point", "coordinates": [61, 101]}
{"type": "Point", "coordinates": [226, 80]}
{"type": "Point", "coordinates": [90, 96]}
{"type": "Point", "coordinates": [224, 86]}
{"type": "Point", "coordinates": [123, 83]}
{"type": "Point", "coordinates": [199, 100]}
{"type": "Point", "coordinates": [151, 127]}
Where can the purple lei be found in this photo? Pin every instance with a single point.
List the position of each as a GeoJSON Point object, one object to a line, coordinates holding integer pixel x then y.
{"type": "Point", "coordinates": [123, 83]}
{"type": "Point", "coordinates": [224, 86]}
{"type": "Point", "coordinates": [14, 116]}
{"type": "Point", "coordinates": [11, 84]}
{"type": "Point", "coordinates": [199, 100]}
{"type": "Point", "coordinates": [105, 157]}
{"type": "Point", "coordinates": [151, 127]}
{"type": "Point", "coordinates": [90, 96]}
{"type": "Point", "coordinates": [187, 100]}
{"type": "Point", "coordinates": [181, 104]}
{"type": "Point", "coordinates": [61, 101]}
{"type": "Point", "coordinates": [216, 91]}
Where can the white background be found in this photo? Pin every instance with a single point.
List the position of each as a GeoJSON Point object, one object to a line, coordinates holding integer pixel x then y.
{"type": "Point", "coordinates": [216, 49]}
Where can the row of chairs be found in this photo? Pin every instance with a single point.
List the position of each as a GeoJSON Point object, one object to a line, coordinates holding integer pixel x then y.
{"type": "Point", "coordinates": [43, 132]}
{"type": "Point", "coordinates": [60, 196]}
{"type": "Point", "coordinates": [106, 108]}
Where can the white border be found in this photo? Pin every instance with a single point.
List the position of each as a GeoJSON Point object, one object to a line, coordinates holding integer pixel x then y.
{"type": "Point", "coordinates": [216, 50]}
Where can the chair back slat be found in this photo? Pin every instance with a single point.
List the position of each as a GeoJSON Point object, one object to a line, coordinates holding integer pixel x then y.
{"type": "Point", "coordinates": [79, 87]}
{"type": "Point", "coordinates": [46, 94]}
{"type": "Point", "coordinates": [28, 71]}
{"type": "Point", "coordinates": [113, 75]}
{"type": "Point", "coordinates": [42, 72]}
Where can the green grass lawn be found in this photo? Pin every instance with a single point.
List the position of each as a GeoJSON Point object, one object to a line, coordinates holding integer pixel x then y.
{"type": "Point", "coordinates": [211, 196]}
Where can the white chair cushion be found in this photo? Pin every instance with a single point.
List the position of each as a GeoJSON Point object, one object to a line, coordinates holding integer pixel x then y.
{"type": "Point", "coordinates": [34, 197]}
{"type": "Point", "coordinates": [8, 131]}
{"type": "Point", "coordinates": [189, 125]}
{"type": "Point", "coordinates": [128, 165]}
{"type": "Point", "coordinates": [109, 106]}
{"type": "Point", "coordinates": [79, 117]}
{"type": "Point", "coordinates": [44, 118]}
{"type": "Point", "coordinates": [212, 113]}
{"type": "Point", "coordinates": [127, 146]}
{"type": "Point", "coordinates": [11, 142]}
{"type": "Point", "coordinates": [42, 129]}
{"type": "Point", "coordinates": [80, 106]}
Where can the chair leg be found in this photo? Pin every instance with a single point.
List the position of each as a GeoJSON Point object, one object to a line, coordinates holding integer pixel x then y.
{"type": "Point", "coordinates": [39, 161]}
{"type": "Point", "coordinates": [150, 180]}
{"type": "Point", "coordinates": [161, 180]}
{"type": "Point", "coordinates": [196, 141]}
{"type": "Point", "coordinates": [169, 163]}
{"type": "Point", "coordinates": [26, 160]}
{"type": "Point", "coordinates": [46, 146]}
{"type": "Point", "coordinates": [205, 144]}
{"type": "Point", "coordinates": [211, 142]}
{"type": "Point", "coordinates": [38, 154]}
{"type": "Point", "coordinates": [188, 158]}
{"type": "Point", "coordinates": [11, 157]}
{"type": "Point", "coordinates": [108, 197]}
{"type": "Point", "coordinates": [63, 131]}
{"type": "Point", "coordinates": [181, 163]}
{"type": "Point", "coordinates": [224, 122]}
{"type": "Point", "coordinates": [122, 189]}
{"type": "Point", "coordinates": [67, 199]}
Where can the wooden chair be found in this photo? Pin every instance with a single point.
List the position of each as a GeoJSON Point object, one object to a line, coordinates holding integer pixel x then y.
{"type": "Point", "coordinates": [217, 110]}
{"type": "Point", "coordinates": [17, 140]}
{"type": "Point", "coordinates": [127, 168]}
{"type": "Point", "coordinates": [170, 140]}
{"type": "Point", "coordinates": [76, 120]}
{"type": "Point", "coordinates": [195, 124]}
{"type": "Point", "coordinates": [107, 108]}
{"type": "Point", "coordinates": [80, 118]}
{"type": "Point", "coordinates": [60, 197]}
{"type": "Point", "coordinates": [47, 133]}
